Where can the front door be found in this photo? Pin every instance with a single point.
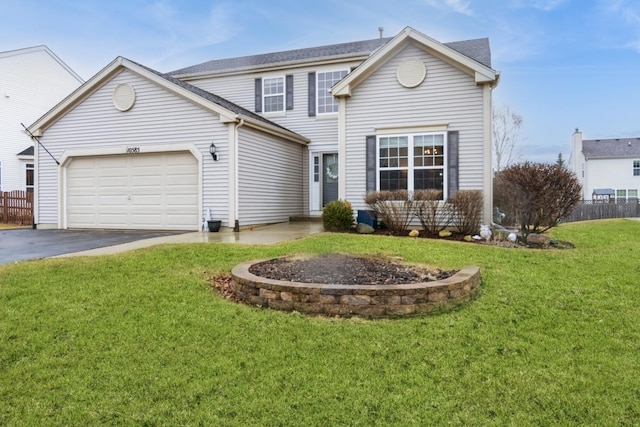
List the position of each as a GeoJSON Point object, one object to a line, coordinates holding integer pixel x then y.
{"type": "Point", "coordinates": [329, 177]}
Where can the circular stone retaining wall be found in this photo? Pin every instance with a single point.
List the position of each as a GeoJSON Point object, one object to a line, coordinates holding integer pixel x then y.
{"type": "Point", "coordinates": [355, 300]}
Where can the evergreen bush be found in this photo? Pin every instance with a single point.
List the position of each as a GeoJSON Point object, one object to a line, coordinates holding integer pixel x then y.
{"type": "Point", "coordinates": [337, 215]}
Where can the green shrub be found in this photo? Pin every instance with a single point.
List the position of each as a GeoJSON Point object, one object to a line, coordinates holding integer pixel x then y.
{"type": "Point", "coordinates": [337, 215]}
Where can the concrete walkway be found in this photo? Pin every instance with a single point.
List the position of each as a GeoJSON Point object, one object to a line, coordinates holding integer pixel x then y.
{"type": "Point", "coordinates": [258, 235]}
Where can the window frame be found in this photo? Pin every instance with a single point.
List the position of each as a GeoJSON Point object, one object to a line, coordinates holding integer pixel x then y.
{"type": "Point", "coordinates": [411, 157]}
{"type": "Point", "coordinates": [325, 93]}
{"type": "Point", "coordinates": [30, 167]}
{"type": "Point", "coordinates": [636, 168]}
{"type": "Point", "coordinates": [282, 94]}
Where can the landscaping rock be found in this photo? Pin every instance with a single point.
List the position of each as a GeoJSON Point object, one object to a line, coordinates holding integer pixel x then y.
{"type": "Point", "coordinates": [468, 238]}
{"type": "Point", "coordinates": [414, 233]}
{"type": "Point", "coordinates": [444, 233]}
{"type": "Point", "coordinates": [538, 240]}
{"type": "Point", "coordinates": [363, 228]}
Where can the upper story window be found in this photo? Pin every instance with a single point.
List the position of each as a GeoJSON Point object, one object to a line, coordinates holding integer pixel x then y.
{"type": "Point", "coordinates": [636, 168]}
{"type": "Point", "coordinates": [411, 162]}
{"type": "Point", "coordinates": [325, 81]}
{"type": "Point", "coordinates": [273, 94]}
{"type": "Point", "coordinates": [29, 177]}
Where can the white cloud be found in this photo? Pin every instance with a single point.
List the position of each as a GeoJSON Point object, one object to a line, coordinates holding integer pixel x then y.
{"type": "Point", "coordinates": [458, 6]}
{"type": "Point", "coordinates": [544, 5]}
{"type": "Point", "coordinates": [627, 15]}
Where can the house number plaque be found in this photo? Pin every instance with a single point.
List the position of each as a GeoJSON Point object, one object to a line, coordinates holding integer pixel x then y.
{"type": "Point", "coordinates": [133, 150]}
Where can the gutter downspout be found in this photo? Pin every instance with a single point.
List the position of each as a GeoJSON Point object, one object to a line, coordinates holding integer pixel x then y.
{"type": "Point", "coordinates": [236, 201]}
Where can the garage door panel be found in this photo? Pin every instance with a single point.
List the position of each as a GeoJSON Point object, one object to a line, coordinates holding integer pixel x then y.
{"type": "Point", "coordinates": [113, 182]}
{"type": "Point", "coordinates": [145, 191]}
{"type": "Point", "coordinates": [182, 200]}
{"type": "Point", "coordinates": [142, 202]}
{"type": "Point", "coordinates": [112, 199]}
{"type": "Point", "coordinates": [182, 180]}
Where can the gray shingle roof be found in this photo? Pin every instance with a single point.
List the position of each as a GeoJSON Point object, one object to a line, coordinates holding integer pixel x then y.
{"type": "Point", "coordinates": [477, 50]}
{"type": "Point", "coordinates": [611, 148]}
{"type": "Point", "coordinates": [26, 152]}
{"type": "Point", "coordinates": [214, 98]}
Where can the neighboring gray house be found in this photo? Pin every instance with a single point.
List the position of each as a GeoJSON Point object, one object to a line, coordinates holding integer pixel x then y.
{"type": "Point", "coordinates": [32, 80]}
{"type": "Point", "coordinates": [608, 169]}
{"type": "Point", "coordinates": [292, 130]}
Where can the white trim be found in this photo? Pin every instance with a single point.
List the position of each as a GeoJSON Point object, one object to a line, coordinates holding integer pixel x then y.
{"type": "Point", "coordinates": [122, 149]}
{"type": "Point", "coordinates": [481, 73]}
{"type": "Point", "coordinates": [487, 182]}
{"type": "Point", "coordinates": [120, 63]}
{"type": "Point", "coordinates": [393, 130]}
{"type": "Point", "coordinates": [67, 158]}
{"type": "Point", "coordinates": [342, 149]}
{"type": "Point", "coordinates": [410, 168]}
{"type": "Point", "coordinates": [318, 113]}
{"type": "Point", "coordinates": [284, 96]}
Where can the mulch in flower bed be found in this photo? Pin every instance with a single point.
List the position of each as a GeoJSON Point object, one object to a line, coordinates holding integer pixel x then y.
{"type": "Point", "coordinates": [346, 270]}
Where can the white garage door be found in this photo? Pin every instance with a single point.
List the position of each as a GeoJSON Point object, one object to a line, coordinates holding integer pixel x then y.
{"type": "Point", "coordinates": [144, 191]}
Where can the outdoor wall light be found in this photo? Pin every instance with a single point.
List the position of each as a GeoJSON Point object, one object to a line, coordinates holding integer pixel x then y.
{"type": "Point", "coordinates": [212, 150]}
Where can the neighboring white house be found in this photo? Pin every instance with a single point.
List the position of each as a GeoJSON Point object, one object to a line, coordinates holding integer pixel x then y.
{"type": "Point", "coordinates": [608, 169]}
{"type": "Point", "coordinates": [32, 80]}
{"type": "Point", "coordinates": [292, 130]}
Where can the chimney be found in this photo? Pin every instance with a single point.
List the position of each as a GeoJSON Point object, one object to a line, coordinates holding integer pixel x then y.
{"type": "Point", "coordinates": [381, 29]}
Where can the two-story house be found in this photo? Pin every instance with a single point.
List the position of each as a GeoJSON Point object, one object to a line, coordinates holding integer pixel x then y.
{"type": "Point", "coordinates": [608, 169]}
{"type": "Point", "coordinates": [259, 139]}
{"type": "Point", "coordinates": [32, 80]}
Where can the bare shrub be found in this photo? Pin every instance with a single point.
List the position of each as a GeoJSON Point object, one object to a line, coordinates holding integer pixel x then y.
{"type": "Point", "coordinates": [394, 208]}
{"type": "Point", "coordinates": [433, 214]}
{"type": "Point", "coordinates": [468, 205]}
{"type": "Point", "coordinates": [536, 196]}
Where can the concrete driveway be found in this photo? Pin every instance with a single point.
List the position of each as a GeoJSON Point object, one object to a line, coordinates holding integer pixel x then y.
{"type": "Point", "coordinates": [26, 243]}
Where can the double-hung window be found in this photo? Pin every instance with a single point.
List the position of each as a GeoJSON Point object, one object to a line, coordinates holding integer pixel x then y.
{"type": "Point", "coordinates": [29, 177]}
{"type": "Point", "coordinates": [273, 94]}
{"type": "Point", "coordinates": [636, 168]}
{"type": "Point", "coordinates": [325, 81]}
{"type": "Point", "coordinates": [411, 162]}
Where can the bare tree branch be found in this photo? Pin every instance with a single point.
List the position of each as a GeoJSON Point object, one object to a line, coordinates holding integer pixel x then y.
{"type": "Point", "coordinates": [506, 135]}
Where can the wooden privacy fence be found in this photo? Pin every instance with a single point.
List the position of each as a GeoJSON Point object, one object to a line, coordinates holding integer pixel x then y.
{"type": "Point", "coordinates": [587, 210]}
{"type": "Point", "coordinates": [16, 207]}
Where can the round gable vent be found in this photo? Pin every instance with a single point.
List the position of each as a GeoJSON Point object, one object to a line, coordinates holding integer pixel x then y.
{"type": "Point", "coordinates": [124, 97]}
{"type": "Point", "coordinates": [411, 72]}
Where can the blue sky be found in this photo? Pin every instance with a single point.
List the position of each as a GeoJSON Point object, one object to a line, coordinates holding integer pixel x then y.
{"type": "Point", "coordinates": [564, 64]}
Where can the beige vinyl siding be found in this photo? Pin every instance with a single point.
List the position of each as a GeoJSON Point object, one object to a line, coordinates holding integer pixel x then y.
{"type": "Point", "coordinates": [321, 130]}
{"type": "Point", "coordinates": [158, 118]}
{"type": "Point", "coordinates": [271, 181]}
{"type": "Point", "coordinates": [447, 96]}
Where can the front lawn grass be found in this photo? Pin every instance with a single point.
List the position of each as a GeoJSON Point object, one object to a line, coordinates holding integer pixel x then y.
{"type": "Point", "coordinates": [141, 339]}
